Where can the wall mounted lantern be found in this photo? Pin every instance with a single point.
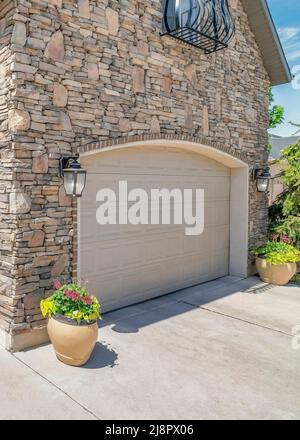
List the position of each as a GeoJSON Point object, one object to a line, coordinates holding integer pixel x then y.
{"type": "Point", "coordinates": [262, 177]}
{"type": "Point", "coordinates": [74, 176]}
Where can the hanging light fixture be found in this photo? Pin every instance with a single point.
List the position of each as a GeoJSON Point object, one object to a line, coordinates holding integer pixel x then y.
{"type": "Point", "coordinates": [74, 176]}
{"type": "Point", "coordinates": [262, 177]}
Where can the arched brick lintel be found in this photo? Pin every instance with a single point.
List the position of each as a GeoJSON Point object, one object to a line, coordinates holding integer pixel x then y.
{"type": "Point", "coordinates": [128, 140]}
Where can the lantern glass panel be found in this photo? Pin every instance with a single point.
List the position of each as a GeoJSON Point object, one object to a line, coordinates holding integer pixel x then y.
{"type": "Point", "coordinates": [69, 182]}
{"type": "Point", "coordinates": [262, 185]}
{"type": "Point", "coordinates": [80, 182]}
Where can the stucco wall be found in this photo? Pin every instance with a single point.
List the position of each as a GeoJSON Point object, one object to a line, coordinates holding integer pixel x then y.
{"type": "Point", "coordinates": [91, 71]}
{"type": "Point", "coordinates": [276, 187]}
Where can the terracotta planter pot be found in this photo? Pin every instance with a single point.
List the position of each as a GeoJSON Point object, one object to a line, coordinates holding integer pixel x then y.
{"type": "Point", "coordinates": [73, 343]}
{"type": "Point", "coordinates": [279, 274]}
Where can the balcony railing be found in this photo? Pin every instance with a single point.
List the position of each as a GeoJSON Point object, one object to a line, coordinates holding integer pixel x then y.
{"type": "Point", "coordinates": [206, 24]}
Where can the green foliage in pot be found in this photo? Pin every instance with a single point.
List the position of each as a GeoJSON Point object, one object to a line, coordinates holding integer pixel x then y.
{"type": "Point", "coordinates": [72, 301]}
{"type": "Point", "coordinates": [278, 253]}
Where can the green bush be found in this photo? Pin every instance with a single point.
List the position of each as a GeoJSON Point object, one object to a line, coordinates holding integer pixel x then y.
{"type": "Point", "coordinates": [278, 253]}
{"type": "Point", "coordinates": [286, 229]}
{"type": "Point", "coordinates": [284, 214]}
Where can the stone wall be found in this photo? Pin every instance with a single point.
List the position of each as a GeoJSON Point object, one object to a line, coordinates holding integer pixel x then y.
{"type": "Point", "coordinates": [10, 306]}
{"type": "Point", "coordinates": [92, 70]}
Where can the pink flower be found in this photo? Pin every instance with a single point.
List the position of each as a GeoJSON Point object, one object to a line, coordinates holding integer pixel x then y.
{"type": "Point", "coordinates": [88, 300]}
{"type": "Point", "coordinates": [57, 284]}
{"type": "Point", "coordinates": [286, 239]}
{"type": "Point", "coordinates": [74, 296]}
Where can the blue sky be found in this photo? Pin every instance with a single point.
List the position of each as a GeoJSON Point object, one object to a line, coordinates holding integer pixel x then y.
{"type": "Point", "coordinates": [286, 15]}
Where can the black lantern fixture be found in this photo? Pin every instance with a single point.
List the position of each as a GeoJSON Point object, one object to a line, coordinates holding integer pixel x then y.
{"type": "Point", "coordinates": [262, 177]}
{"type": "Point", "coordinates": [74, 176]}
{"type": "Point", "coordinates": [206, 24]}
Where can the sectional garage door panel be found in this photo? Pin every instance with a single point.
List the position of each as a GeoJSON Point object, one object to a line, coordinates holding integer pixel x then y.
{"type": "Point", "coordinates": [123, 264]}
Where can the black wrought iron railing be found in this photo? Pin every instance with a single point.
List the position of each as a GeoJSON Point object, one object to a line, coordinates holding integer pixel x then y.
{"type": "Point", "coordinates": [206, 24]}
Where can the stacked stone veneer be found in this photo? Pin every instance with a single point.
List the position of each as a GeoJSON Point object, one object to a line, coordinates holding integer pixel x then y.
{"type": "Point", "coordinates": [76, 72]}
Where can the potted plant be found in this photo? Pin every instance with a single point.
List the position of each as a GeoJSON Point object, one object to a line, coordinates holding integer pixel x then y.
{"type": "Point", "coordinates": [276, 262]}
{"type": "Point", "coordinates": [72, 322]}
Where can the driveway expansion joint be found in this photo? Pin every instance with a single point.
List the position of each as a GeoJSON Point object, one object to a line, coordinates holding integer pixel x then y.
{"type": "Point", "coordinates": [238, 319]}
{"type": "Point", "coordinates": [56, 386]}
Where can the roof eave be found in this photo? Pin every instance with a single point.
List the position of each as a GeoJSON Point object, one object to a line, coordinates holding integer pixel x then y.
{"type": "Point", "coordinates": [267, 38]}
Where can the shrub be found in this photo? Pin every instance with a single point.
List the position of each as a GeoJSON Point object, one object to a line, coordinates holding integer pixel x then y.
{"type": "Point", "coordinates": [287, 229]}
{"type": "Point", "coordinates": [284, 214]}
{"type": "Point", "coordinates": [72, 301]}
{"type": "Point", "coordinates": [278, 253]}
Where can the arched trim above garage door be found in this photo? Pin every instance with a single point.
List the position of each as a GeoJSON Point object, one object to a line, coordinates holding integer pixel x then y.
{"type": "Point", "coordinates": [156, 139]}
{"type": "Point", "coordinates": [239, 192]}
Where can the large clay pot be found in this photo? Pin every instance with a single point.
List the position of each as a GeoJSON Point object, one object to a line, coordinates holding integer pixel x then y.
{"type": "Point", "coordinates": [278, 274]}
{"type": "Point", "coordinates": [73, 343]}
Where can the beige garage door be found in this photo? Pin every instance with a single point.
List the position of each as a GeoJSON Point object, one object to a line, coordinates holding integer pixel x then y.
{"type": "Point", "coordinates": [124, 264]}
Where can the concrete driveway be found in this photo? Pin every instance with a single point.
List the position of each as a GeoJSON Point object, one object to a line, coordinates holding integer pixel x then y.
{"type": "Point", "coordinates": [222, 350]}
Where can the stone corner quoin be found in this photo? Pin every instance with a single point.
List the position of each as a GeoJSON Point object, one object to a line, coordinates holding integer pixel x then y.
{"type": "Point", "coordinates": [74, 73]}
